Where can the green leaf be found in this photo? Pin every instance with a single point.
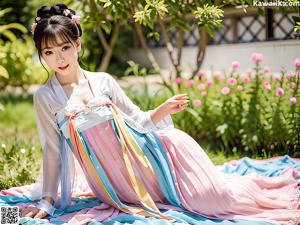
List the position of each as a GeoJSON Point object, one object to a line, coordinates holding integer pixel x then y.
{"type": "Point", "coordinates": [222, 128]}
{"type": "Point", "coordinates": [128, 71]}
{"type": "Point", "coordinates": [106, 25]}
{"type": "Point", "coordinates": [13, 26]}
{"type": "Point", "coordinates": [10, 35]}
{"type": "Point", "coordinates": [4, 11]}
{"type": "Point", "coordinates": [3, 72]}
{"type": "Point", "coordinates": [297, 27]}
{"type": "Point", "coordinates": [296, 18]}
{"type": "Point", "coordinates": [152, 14]}
{"type": "Point", "coordinates": [155, 35]}
{"type": "Point", "coordinates": [181, 24]}
{"type": "Point", "coordinates": [261, 12]}
{"type": "Point", "coordinates": [107, 4]}
{"type": "Point", "coordinates": [210, 32]}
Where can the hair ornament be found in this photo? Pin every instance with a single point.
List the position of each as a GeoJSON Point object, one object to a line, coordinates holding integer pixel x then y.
{"type": "Point", "coordinates": [33, 26]}
{"type": "Point", "coordinates": [66, 12]}
{"type": "Point", "coordinates": [38, 19]}
{"type": "Point", "coordinates": [76, 19]}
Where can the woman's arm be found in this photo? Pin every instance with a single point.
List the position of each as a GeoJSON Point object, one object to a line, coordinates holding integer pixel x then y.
{"type": "Point", "coordinates": [148, 119]}
{"type": "Point", "coordinates": [50, 143]}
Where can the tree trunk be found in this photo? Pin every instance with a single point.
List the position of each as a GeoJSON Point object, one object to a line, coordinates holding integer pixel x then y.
{"type": "Point", "coordinates": [201, 50]}
{"type": "Point", "coordinates": [107, 47]}
{"type": "Point", "coordinates": [147, 51]}
{"type": "Point", "coordinates": [179, 45]}
{"type": "Point", "coordinates": [168, 44]}
{"type": "Point", "coordinates": [108, 52]}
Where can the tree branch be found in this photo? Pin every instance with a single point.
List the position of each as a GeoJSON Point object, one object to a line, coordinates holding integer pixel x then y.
{"type": "Point", "coordinates": [109, 51]}
{"type": "Point", "coordinates": [102, 39]}
{"type": "Point", "coordinates": [179, 45]}
{"type": "Point", "coordinates": [168, 44]}
{"type": "Point", "coordinates": [201, 49]}
{"type": "Point", "coordinates": [147, 51]}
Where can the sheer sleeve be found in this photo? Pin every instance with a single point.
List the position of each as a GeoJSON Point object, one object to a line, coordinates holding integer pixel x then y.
{"type": "Point", "coordinates": [50, 143]}
{"type": "Point", "coordinates": [133, 111]}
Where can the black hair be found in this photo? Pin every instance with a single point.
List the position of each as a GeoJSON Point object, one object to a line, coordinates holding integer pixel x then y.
{"type": "Point", "coordinates": [53, 22]}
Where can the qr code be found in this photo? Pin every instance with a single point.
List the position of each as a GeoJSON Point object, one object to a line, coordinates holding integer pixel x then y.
{"type": "Point", "coordinates": [9, 215]}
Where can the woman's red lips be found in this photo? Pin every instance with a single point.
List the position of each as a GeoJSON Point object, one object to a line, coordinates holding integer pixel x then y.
{"type": "Point", "coordinates": [63, 67]}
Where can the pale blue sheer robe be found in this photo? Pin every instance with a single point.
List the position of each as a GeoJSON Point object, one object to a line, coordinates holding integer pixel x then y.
{"type": "Point", "coordinates": [59, 169]}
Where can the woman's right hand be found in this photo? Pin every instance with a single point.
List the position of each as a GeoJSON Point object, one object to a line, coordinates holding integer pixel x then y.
{"type": "Point", "coordinates": [34, 212]}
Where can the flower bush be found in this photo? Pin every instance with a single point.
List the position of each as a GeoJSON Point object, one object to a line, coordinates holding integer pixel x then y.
{"type": "Point", "coordinates": [253, 111]}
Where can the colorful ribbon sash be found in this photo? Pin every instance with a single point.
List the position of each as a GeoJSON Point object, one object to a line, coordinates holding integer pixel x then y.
{"type": "Point", "coordinates": [130, 148]}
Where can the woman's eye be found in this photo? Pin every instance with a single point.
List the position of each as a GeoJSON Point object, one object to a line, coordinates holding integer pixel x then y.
{"type": "Point", "coordinates": [48, 52]}
{"type": "Point", "coordinates": [65, 47]}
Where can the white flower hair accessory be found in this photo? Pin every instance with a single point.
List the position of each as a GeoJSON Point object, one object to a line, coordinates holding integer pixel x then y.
{"type": "Point", "coordinates": [66, 12]}
{"type": "Point", "coordinates": [33, 26]}
{"type": "Point", "coordinates": [76, 19]}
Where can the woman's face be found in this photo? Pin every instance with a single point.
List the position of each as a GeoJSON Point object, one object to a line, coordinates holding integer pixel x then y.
{"type": "Point", "coordinates": [62, 58]}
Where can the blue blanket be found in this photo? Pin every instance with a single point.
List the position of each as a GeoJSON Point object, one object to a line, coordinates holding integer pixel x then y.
{"type": "Point", "coordinates": [271, 167]}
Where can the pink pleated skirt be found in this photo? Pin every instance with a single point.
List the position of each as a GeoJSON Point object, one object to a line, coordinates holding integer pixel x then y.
{"type": "Point", "coordinates": [202, 188]}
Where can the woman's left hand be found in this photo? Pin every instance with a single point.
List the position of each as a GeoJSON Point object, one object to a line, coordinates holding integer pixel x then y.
{"type": "Point", "coordinates": [176, 103]}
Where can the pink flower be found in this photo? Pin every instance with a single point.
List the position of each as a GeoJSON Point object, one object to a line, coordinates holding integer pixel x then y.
{"type": "Point", "coordinates": [290, 74]}
{"type": "Point", "coordinates": [293, 100]}
{"type": "Point", "coordinates": [235, 64]}
{"type": "Point", "coordinates": [279, 91]}
{"type": "Point", "coordinates": [267, 69]}
{"type": "Point", "coordinates": [209, 83]}
{"type": "Point", "coordinates": [267, 85]}
{"type": "Point", "coordinates": [217, 74]}
{"type": "Point", "coordinates": [277, 77]}
{"type": "Point", "coordinates": [248, 70]}
{"type": "Point", "coordinates": [257, 57]}
{"type": "Point", "coordinates": [297, 63]}
{"type": "Point", "coordinates": [245, 79]}
{"type": "Point", "coordinates": [197, 102]}
{"type": "Point", "coordinates": [190, 83]}
{"type": "Point", "coordinates": [204, 93]}
{"type": "Point", "coordinates": [225, 90]}
{"type": "Point", "coordinates": [178, 80]}
{"type": "Point", "coordinates": [201, 87]}
{"type": "Point", "coordinates": [222, 78]}
{"type": "Point", "coordinates": [201, 73]}
{"type": "Point", "coordinates": [240, 87]}
{"type": "Point", "coordinates": [231, 81]}
{"type": "Point", "coordinates": [76, 19]}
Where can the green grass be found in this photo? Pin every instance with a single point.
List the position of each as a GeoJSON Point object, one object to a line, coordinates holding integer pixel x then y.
{"type": "Point", "coordinates": [17, 116]}
{"type": "Point", "coordinates": [20, 153]}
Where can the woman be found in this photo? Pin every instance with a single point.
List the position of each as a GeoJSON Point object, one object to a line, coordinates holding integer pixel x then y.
{"type": "Point", "coordinates": [132, 159]}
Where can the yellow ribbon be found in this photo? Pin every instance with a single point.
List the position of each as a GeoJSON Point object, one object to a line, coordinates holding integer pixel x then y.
{"type": "Point", "coordinates": [129, 145]}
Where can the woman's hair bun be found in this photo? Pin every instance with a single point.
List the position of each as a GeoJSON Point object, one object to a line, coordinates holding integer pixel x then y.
{"type": "Point", "coordinates": [57, 9]}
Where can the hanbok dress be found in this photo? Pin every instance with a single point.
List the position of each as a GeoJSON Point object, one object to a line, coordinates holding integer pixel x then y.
{"type": "Point", "coordinates": [133, 164]}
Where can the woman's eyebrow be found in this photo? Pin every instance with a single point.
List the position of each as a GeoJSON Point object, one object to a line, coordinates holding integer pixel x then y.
{"type": "Point", "coordinates": [59, 45]}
